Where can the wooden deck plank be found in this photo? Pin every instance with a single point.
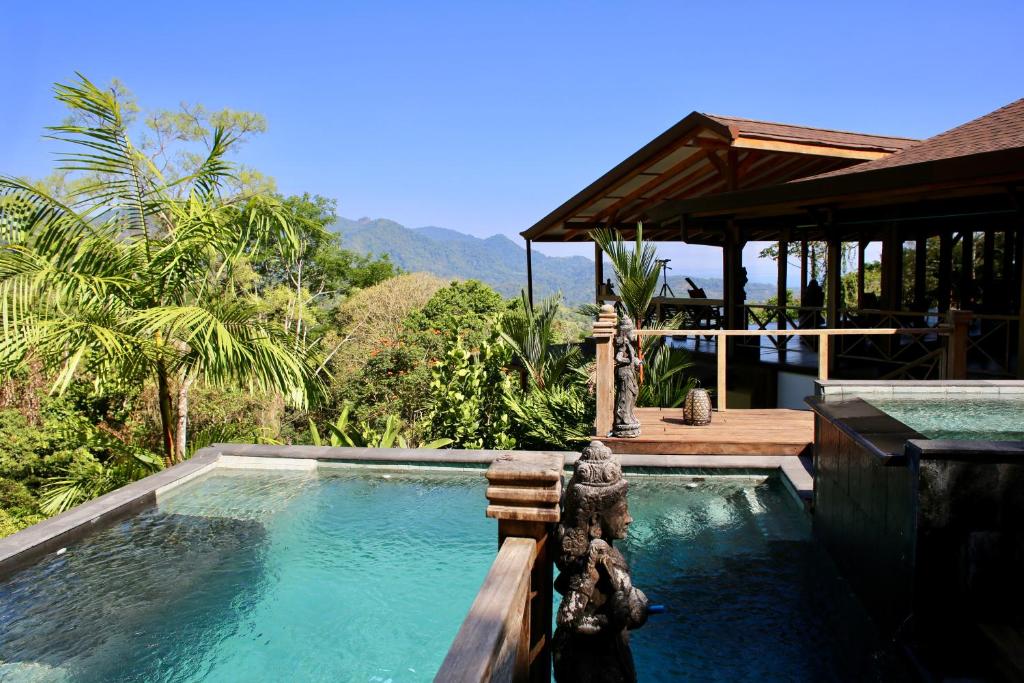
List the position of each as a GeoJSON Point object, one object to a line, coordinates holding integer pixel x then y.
{"type": "Point", "coordinates": [734, 432]}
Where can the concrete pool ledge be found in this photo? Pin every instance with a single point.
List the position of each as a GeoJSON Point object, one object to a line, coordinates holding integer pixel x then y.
{"type": "Point", "coordinates": [51, 535]}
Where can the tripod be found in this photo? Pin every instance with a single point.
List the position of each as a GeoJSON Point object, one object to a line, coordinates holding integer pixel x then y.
{"type": "Point", "coordinates": [666, 289]}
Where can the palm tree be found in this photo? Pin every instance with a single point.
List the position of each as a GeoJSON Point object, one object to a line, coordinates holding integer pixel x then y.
{"type": "Point", "coordinates": [636, 270]}
{"type": "Point", "coordinates": [129, 277]}
{"type": "Point", "coordinates": [530, 332]}
{"type": "Point", "coordinates": [662, 379]}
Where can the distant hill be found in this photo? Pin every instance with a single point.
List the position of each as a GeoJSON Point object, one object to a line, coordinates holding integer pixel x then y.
{"type": "Point", "coordinates": [496, 260]}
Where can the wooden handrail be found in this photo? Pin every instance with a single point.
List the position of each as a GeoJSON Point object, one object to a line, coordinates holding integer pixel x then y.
{"type": "Point", "coordinates": [814, 332]}
{"type": "Point", "coordinates": [823, 335]}
{"type": "Point", "coordinates": [493, 642]}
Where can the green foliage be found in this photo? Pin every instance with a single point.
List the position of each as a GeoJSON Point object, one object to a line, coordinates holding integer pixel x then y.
{"type": "Point", "coordinates": [465, 308]}
{"type": "Point", "coordinates": [665, 383]}
{"type": "Point", "coordinates": [129, 276]}
{"type": "Point", "coordinates": [553, 417]}
{"type": "Point", "coordinates": [636, 270]}
{"type": "Point", "coordinates": [61, 461]}
{"type": "Point", "coordinates": [529, 331]}
{"type": "Point", "coordinates": [467, 397]}
{"type": "Point", "coordinates": [343, 432]}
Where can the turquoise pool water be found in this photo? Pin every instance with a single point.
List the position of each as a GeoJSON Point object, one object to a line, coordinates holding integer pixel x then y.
{"type": "Point", "coordinates": [355, 575]}
{"type": "Point", "coordinates": [973, 419]}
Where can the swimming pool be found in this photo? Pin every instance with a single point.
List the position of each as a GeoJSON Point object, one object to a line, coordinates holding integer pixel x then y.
{"type": "Point", "coordinates": [365, 575]}
{"type": "Point", "coordinates": [969, 419]}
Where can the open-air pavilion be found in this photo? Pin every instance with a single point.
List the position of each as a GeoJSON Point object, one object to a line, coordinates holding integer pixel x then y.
{"type": "Point", "coordinates": [946, 211]}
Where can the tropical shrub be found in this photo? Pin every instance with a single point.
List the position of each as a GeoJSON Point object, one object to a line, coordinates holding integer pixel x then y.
{"type": "Point", "coordinates": [467, 392]}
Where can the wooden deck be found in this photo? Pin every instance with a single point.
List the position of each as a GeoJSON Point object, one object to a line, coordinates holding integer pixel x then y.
{"type": "Point", "coordinates": [734, 432]}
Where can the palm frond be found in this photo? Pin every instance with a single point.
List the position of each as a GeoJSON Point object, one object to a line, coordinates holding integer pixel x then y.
{"type": "Point", "coordinates": [636, 270]}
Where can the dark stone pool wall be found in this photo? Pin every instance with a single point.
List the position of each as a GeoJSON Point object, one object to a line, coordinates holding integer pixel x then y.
{"type": "Point", "coordinates": [929, 533]}
{"type": "Point", "coordinates": [864, 514]}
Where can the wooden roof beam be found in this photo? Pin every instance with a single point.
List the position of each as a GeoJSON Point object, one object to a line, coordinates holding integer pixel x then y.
{"type": "Point", "coordinates": [661, 179]}
{"type": "Point", "coordinates": [802, 148]}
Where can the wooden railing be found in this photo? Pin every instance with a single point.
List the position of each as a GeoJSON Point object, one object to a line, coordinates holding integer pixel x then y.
{"type": "Point", "coordinates": [950, 359]}
{"type": "Point", "coordinates": [493, 643]}
{"type": "Point", "coordinates": [507, 634]}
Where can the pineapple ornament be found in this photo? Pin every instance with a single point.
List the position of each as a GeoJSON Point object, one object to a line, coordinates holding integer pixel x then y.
{"type": "Point", "coordinates": [697, 407]}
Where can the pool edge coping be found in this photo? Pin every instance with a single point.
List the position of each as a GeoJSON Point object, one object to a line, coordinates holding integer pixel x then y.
{"type": "Point", "coordinates": [27, 546]}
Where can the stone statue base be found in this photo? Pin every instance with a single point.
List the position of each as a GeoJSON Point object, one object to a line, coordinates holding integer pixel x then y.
{"type": "Point", "coordinates": [630, 430]}
{"type": "Point", "coordinates": [601, 658]}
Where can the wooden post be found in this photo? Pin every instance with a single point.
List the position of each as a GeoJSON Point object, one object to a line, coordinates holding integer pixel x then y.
{"type": "Point", "coordinates": [721, 350]}
{"type": "Point", "coordinates": [823, 354]}
{"type": "Point", "coordinates": [732, 276]}
{"type": "Point", "coordinates": [966, 269]}
{"type": "Point", "coordinates": [598, 272]}
{"type": "Point", "coordinates": [604, 330]}
{"type": "Point", "coordinates": [921, 274]}
{"type": "Point", "coordinates": [835, 282]}
{"type": "Point", "coordinates": [892, 271]}
{"type": "Point", "coordinates": [1018, 249]}
{"type": "Point", "coordinates": [803, 270]}
{"type": "Point", "coordinates": [781, 293]}
{"type": "Point", "coordinates": [988, 258]}
{"type": "Point", "coordinates": [956, 350]}
{"type": "Point", "coordinates": [1006, 273]}
{"type": "Point", "coordinates": [945, 270]}
{"type": "Point", "coordinates": [529, 271]}
{"type": "Point", "coordinates": [524, 490]}
{"type": "Point", "coordinates": [862, 246]}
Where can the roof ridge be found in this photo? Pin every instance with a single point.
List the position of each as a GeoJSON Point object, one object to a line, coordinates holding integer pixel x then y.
{"type": "Point", "coordinates": [805, 127]}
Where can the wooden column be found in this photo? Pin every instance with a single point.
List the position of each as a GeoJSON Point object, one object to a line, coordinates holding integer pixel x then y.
{"type": "Point", "coordinates": [921, 274]}
{"type": "Point", "coordinates": [862, 246]}
{"type": "Point", "coordinates": [598, 272]}
{"type": "Point", "coordinates": [1007, 269]}
{"type": "Point", "coordinates": [803, 270]}
{"type": "Point", "coordinates": [945, 270]}
{"type": "Point", "coordinates": [1019, 251]}
{"type": "Point", "coordinates": [781, 292]}
{"type": "Point", "coordinates": [732, 277]}
{"type": "Point", "coordinates": [524, 490]}
{"type": "Point", "coordinates": [988, 264]}
{"type": "Point", "coordinates": [529, 271]}
{"type": "Point", "coordinates": [966, 269]}
{"type": "Point", "coordinates": [604, 330]}
{"type": "Point", "coordinates": [833, 275]}
{"type": "Point", "coordinates": [956, 348]}
{"type": "Point", "coordinates": [892, 271]}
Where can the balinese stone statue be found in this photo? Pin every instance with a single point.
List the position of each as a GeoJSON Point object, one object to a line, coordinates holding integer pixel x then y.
{"type": "Point", "coordinates": [626, 389]}
{"type": "Point", "coordinates": [599, 602]}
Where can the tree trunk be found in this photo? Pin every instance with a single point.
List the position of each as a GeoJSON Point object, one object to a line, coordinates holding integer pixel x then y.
{"type": "Point", "coordinates": [166, 421]}
{"type": "Point", "coordinates": [182, 430]}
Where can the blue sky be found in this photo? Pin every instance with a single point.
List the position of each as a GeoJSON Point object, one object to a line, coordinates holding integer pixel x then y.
{"type": "Point", "coordinates": [484, 116]}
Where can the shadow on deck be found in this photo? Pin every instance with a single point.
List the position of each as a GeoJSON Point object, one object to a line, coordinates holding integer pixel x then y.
{"type": "Point", "coordinates": [771, 432]}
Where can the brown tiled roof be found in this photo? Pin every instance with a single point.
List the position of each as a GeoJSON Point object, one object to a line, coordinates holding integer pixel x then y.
{"type": "Point", "coordinates": [999, 130]}
{"type": "Point", "coordinates": [809, 135]}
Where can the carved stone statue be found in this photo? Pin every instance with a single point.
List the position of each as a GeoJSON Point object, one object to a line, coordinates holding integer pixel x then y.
{"type": "Point", "coordinates": [599, 602]}
{"type": "Point", "coordinates": [626, 389]}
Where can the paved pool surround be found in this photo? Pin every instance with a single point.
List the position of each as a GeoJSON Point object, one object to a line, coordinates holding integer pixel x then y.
{"type": "Point", "coordinates": [28, 545]}
{"type": "Point", "coordinates": [928, 532]}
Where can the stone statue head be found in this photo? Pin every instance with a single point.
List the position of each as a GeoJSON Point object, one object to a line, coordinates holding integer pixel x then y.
{"type": "Point", "coordinates": [625, 332]}
{"type": "Point", "coordinates": [595, 502]}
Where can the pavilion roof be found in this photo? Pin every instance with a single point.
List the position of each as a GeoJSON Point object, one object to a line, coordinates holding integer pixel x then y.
{"type": "Point", "coordinates": [998, 130]}
{"type": "Point", "coordinates": [975, 169]}
{"type": "Point", "coordinates": [703, 155]}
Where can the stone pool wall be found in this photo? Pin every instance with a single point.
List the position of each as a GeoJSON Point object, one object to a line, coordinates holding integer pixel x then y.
{"type": "Point", "coordinates": [930, 533]}
{"type": "Point", "coordinates": [864, 516]}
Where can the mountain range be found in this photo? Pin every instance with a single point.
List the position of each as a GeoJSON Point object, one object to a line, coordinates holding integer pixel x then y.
{"type": "Point", "coordinates": [496, 260]}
